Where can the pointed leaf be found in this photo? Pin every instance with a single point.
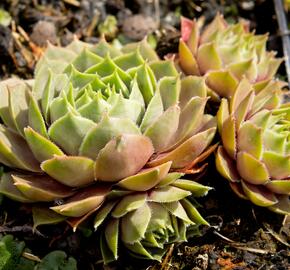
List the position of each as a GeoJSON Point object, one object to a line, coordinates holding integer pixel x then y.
{"type": "Point", "coordinates": [73, 171]}
{"type": "Point", "coordinates": [134, 224]}
{"type": "Point", "coordinates": [146, 179]}
{"type": "Point", "coordinates": [41, 188]}
{"type": "Point", "coordinates": [167, 194]}
{"type": "Point", "coordinates": [128, 204]}
{"type": "Point", "coordinates": [76, 127]}
{"type": "Point", "coordinates": [83, 202]}
{"type": "Point", "coordinates": [127, 154]}
{"type": "Point", "coordinates": [277, 165]}
{"type": "Point", "coordinates": [259, 195]}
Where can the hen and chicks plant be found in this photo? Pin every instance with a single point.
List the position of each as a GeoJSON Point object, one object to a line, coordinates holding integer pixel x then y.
{"type": "Point", "coordinates": [108, 133]}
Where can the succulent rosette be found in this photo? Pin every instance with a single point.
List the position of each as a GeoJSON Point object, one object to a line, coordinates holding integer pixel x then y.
{"type": "Point", "coordinates": [107, 131]}
{"type": "Point", "coordinates": [255, 151]}
{"type": "Point", "coordinates": [225, 53]}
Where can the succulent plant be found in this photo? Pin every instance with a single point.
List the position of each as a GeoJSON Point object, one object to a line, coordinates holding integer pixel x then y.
{"type": "Point", "coordinates": [225, 53]}
{"type": "Point", "coordinates": [107, 131]}
{"type": "Point", "coordinates": [255, 151]}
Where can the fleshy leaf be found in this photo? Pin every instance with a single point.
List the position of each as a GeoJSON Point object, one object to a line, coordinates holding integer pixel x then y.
{"type": "Point", "coordinates": [100, 135]}
{"type": "Point", "coordinates": [279, 186]}
{"type": "Point", "coordinates": [251, 169]}
{"type": "Point", "coordinates": [83, 202]}
{"type": "Point", "coordinates": [127, 154]}
{"type": "Point", "coordinates": [186, 60]}
{"type": "Point", "coordinates": [259, 195]}
{"type": "Point", "coordinates": [41, 147]}
{"type": "Point", "coordinates": [135, 223]}
{"type": "Point", "coordinates": [128, 204]}
{"type": "Point", "coordinates": [76, 127]}
{"type": "Point", "coordinates": [8, 188]}
{"type": "Point", "coordinates": [167, 194]}
{"type": "Point", "coordinates": [72, 171]}
{"type": "Point", "coordinates": [41, 188]}
{"type": "Point", "coordinates": [146, 179]}
{"type": "Point", "coordinates": [277, 165]}
{"type": "Point", "coordinates": [195, 188]}
{"type": "Point", "coordinates": [112, 236]}
{"type": "Point", "coordinates": [44, 216]}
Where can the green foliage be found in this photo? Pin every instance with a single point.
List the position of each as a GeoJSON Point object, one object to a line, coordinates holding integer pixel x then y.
{"type": "Point", "coordinates": [11, 251]}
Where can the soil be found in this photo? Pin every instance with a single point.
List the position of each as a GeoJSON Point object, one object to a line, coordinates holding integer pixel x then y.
{"type": "Point", "coordinates": [241, 236]}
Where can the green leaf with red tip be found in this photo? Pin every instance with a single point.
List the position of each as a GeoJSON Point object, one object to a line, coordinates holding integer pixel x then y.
{"type": "Point", "coordinates": [205, 52]}
{"type": "Point", "coordinates": [187, 151]}
{"type": "Point", "coordinates": [135, 223]}
{"type": "Point", "coordinates": [73, 171]}
{"type": "Point", "coordinates": [100, 135]}
{"type": "Point", "coordinates": [167, 194]}
{"type": "Point", "coordinates": [112, 235]}
{"type": "Point", "coordinates": [163, 130]}
{"type": "Point", "coordinates": [8, 189]}
{"type": "Point", "coordinates": [41, 188]}
{"type": "Point", "coordinates": [226, 166]}
{"type": "Point", "coordinates": [164, 68]}
{"type": "Point", "coordinates": [186, 60]}
{"type": "Point", "coordinates": [259, 195]}
{"type": "Point", "coordinates": [76, 127]}
{"type": "Point", "coordinates": [129, 203]}
{"type": "Point", "coordinates": [83, 202]}
{"type": "Point", "coordinates": [229, 136]}
{"type": "Point", "coordinates": [195, 188]}
{"type": "Point", "coordinates": [176, 209]}
{"type": "Point", "coordinates": [169, 88]}
{"type": "Point", "coordinates": [278, 165]}
{"type": "Point", "coordinates": [222, 82]}
{"type": "Point", "coordinates": [14, 151]}
{"type": "Point", "coordinates": [146, 179]}
{"type": "Point", "coordinates": [44, 216]}
{"type": "Point", "coordinates": [103, 213]}
{"type": "Point", "coordinates": [279, 186]}
{"type": "Point", "coordinates": [191, 86]}
{"type": "Point", "coordinates": [251, 169]}
{"type": "Point", "coordinates": [126, 154]}
{"type": "Point", "coordinates": [193, 38]}
{"type": "Point", "coordinates": [193, 213]}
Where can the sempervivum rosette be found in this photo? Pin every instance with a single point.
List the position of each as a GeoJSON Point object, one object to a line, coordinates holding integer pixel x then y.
{"type": "Point", "coordinates": [98, 121]}
{"type": "Point", "coordinates": [224, 53]}
{"type": "Point", "coordinates": [255, 151]}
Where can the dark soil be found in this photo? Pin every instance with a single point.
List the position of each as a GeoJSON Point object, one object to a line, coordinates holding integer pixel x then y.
{"type": "Point", "coordinates": [241, 235]}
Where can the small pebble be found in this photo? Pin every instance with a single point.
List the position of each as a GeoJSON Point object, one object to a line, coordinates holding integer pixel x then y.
{"type": "Point", "coordinates": [42, 32]}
